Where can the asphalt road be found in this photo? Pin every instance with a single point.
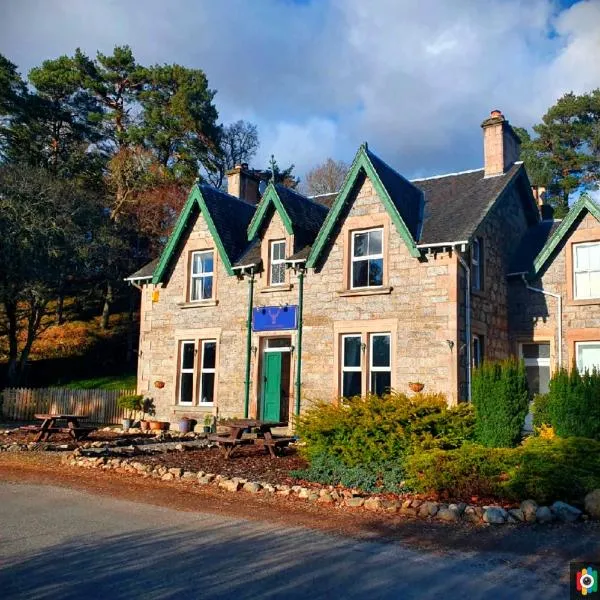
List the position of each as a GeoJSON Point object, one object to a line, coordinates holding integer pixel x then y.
{"type": "Point", "coordinates": [61, 543]}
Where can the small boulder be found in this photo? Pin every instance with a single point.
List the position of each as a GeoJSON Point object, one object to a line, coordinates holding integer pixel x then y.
{"type": "Point", "coordinates": [303, 493]}
{"type": "Point", "coordinates": [325, 498]}
{"type": "Point", "coordinates": [592, 504]}
{"type": "Point", "coordinates": [544, 515]}
{"type": "Point", "coordinates": [473, 514]}
{"type": "Point", "coordinates": [565, 512]}
{"type": "Point", "coordinates": [168, 477]}
{"type": "Point", "coordinates": [189, 475]}
{"type": "Point", "coordinates": [313, 497]}
{"type": "Point", "coordinates": [206, 479]}
{"type": "Point", "coordinates": [428, 509]}
{"type": "Point", "coordinates": [355, 501]}
{"type": "Point", "coordinates": [252, 487]}
{"type": "Point", "coordinates": [517, 514]}
{"type": "Point", "coordinates": [495, 515]}
{"type": "Point", "coordinates": [448, 514]}
{"type": "Point", "coordinates": [373, 503]}
{"type": "Point", "coordinates": [230, 485]}
{"type": "Point", "coordinates": [409, 511]}
{"type": "Point", "coordinates": [529, 508]}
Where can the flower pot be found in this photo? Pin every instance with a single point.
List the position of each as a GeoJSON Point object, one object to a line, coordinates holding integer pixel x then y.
{"type": "Point", "coordinates": [416, 387]}
{"type": "Point", "coordinates": [127, 423]}
{"type": "Point", "coordinates": [144, 425]}
{"type": "Point", "coordinates": [185, 425]}
{"type": "Point", "coordinates": [158, 425]}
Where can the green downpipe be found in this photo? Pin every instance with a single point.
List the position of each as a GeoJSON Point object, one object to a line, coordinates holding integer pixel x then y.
{"type": "Point", "coordinates": [299, 340]}
{"type": "Point", "coordinates": [248, 343]}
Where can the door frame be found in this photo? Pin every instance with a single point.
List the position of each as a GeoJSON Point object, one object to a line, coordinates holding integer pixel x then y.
{"type": "Point", "coordinates": [264, 349]}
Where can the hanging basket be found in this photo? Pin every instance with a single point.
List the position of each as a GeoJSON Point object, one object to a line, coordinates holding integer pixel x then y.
{"type": "Point", "coordinates": [416, 386]}
{"type": "Point", "coordinates": [159, 384]}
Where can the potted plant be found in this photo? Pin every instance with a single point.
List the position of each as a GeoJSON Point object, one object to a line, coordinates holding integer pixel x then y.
{"type": "Point", "coordinates": [147, 409]}
{"type": "Point", "coordinates": [132, 403]}
{"type": "Point", "coordinates": [208, 423]}
{"type": "Point", "coordinates": [186, 424]}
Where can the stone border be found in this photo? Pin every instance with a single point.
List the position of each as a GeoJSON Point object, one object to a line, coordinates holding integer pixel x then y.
{"type": "Point", "coordinates": [527, 512]}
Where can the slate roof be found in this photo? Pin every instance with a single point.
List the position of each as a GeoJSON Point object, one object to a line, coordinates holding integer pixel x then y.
{"type": "Point", "coordinates": [145, 272]}
{"type": "Point", "coordinates": [531, 245]}
{"type": "Point", "coordinates": [406, 196]}
{"type": "Point", "coordinates": [455, 204]}
{"type": "Point", "coordinates": [324, 199]}
{"type": "Point", "coordinates": [251, 256]}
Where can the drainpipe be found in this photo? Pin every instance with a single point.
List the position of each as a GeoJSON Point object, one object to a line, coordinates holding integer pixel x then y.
{"type": "Point", "coordinates": [301, 271]}
{"type": "Point", "coordinates": [558, 317]}
{"type": "Point", "coordinates": [467, 269]}
{"type": "Point", "coordinates": [248, 342]}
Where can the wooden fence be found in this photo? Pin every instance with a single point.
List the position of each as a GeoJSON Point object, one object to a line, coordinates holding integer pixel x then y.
{"type": "Point", "coordinates": [20, 404]}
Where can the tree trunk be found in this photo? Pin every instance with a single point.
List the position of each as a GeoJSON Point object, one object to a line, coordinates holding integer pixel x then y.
{"type": "Point", "coordinates": [108, 299]}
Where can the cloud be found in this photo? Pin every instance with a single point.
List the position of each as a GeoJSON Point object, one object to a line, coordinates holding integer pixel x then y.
{"type": "Point", "coordinates": [415, 79]}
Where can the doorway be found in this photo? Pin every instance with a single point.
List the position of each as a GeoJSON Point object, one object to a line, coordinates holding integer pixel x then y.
{"type": "Point", "coordinates": [536, 357]}
{"type": "Point", "coordinates": [276, 379]}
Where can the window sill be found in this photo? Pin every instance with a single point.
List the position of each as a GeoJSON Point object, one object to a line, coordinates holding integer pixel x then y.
{"type": "Point", "coordinates": [277, 288]}
{"type": "Point", "coordinates": [198, 304]}
{"type": "Point", "coordinates": [583, 301]}
{"type": "Point", "coordinates": [177, 408]}
{"type": "Point", "coordinates": [365, 292]}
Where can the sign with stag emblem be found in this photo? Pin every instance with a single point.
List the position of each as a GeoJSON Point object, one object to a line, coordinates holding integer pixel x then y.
{"type": "Point", "coordinates": [275, 318]}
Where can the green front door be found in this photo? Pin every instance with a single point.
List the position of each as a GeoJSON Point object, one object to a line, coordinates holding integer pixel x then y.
{"type": "Point", "coordinates": [272, 386]}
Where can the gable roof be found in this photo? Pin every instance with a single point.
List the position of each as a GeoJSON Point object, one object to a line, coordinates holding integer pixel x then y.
{"type": "Point", "coordinates": [530, 246]}
{"type": "Point", "coordinates": [585, 203]}
{"type": "Point", "coordinates": [455, 204]}
{"type": "Point", "coordinates": [227, 218]}
{"type": "Point", "coordinates": [402, 200]}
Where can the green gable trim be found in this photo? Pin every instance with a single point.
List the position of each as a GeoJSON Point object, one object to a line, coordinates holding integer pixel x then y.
{"type": "Point", "coordinates": [194, 198]}
{"type": "Point", "coordinates": [361, 163]}
{"type": "Point", "coordinates": [269, 197]}
{"type": "Point", "coordinates": [584, 203]}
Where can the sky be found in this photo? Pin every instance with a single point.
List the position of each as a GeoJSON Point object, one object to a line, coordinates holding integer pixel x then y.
{"type": "Point", "coordinates": [413, 78]}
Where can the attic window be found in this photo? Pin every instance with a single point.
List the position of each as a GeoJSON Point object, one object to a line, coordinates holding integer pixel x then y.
{"type": "Point", "coordinates": [201, 277]}
{"type": "Point", "coordinates": [277, 254]}
{"type": "Point", "coordinates": [367, 259]}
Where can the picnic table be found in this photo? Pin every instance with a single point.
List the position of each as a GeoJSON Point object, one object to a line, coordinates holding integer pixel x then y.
{"type": "Point", "coordinates": [59, 423]}
{"type": "Point", "coordinates": [272, 444]}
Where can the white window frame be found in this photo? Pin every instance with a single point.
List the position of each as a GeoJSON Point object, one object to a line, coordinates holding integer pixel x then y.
{"type": "Point", "coordinates": [476, 270]}
{"type": "Point", "coordinates": [579, 345]}
{"type": "Point", "coordinates": [205, 275]}
{"type": "Point", "coordinates": [183, 371]}
{"type": "Point", "coordinates": [372, 368]}
{"type": "Point", "coordinates": [210, 370]}
{"type": "Point", "coordinates": [576, 295]}
{"type": "Point", "coordinates": [477, 357]}
{"type": "Point", "coordinates": [344, 368]}
{"type": "Point", "coordinates": [278, 261]}
{"type": "Point", "coordinates": [366, 257]}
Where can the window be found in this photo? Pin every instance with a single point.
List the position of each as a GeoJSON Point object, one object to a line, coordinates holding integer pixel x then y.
{"type": "Point", "coordinates": [477, 264]}
{"type": "Point", "coordinates": [277, 263]}
{"type": "Point", "coordinates": [586, 271]}
{"type": "Point", "coordinates": [477, 351]}
{"type": "Point", "coordinates": [351, 366]}
{"type": "Point", "coordinates": [381, 365]}
{"type": "Point", "coordinates": [186, 372]}
{"type": "Point", "coordinates": [377, 372]}
{"type": "Point", "coordinates": [201, 280]}
{"type": "Point", "coordinates": [367, 259]}
{"type": "Point", "coordinates": [537, 366]}
{"type": "Point", "coordinates": [207, 371]}
{"type": "Point", "coordinates": [587, 356]}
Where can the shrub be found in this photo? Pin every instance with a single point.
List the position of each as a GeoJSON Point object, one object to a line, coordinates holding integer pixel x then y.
{"type": "Point", "coordinates": [130, 402]}
{"type": "Point", "coordinates": [383, 430]}
{"type": "Point", "coordinates": [542, 469]}
{"type": "Point", "coordinates": [541, 410]}
{"type": "Point", "coordinates": [501, 400]}
{"type": "Point", "coordinates": [574, 404]}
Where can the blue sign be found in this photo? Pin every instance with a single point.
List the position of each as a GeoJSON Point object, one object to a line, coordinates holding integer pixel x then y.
{"type": "Point", "coordinates": [274, 318]}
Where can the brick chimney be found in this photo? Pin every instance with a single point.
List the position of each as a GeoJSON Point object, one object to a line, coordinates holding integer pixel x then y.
{"type": "Point", "coordinates": [500, 144]}
{"type": "Point", "coordinates": [243, 183]}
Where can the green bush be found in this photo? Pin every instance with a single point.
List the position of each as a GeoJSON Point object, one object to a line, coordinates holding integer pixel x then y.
{"type": "Point", "coordinates": [501, 399]}
{"type": "Point", "coordinates": [574, 404]}
{"type": "Point", "coordinates": [541, 410]}
{"type": "Point", "coordinates": [545, 470]}
{"type": "Point", "coordinates": [131, 402]}
{"type": "Point", "coordinates": [383, 430]}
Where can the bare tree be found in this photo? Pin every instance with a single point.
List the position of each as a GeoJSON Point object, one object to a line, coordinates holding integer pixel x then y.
{"type": "Point", "coordinates": [326, 177]}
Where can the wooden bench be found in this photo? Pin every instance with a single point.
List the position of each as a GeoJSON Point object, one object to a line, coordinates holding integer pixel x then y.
{"type": "Point", "coordinates": [274, 444]}
{"type": "Point", "coordinates": [229, 443]}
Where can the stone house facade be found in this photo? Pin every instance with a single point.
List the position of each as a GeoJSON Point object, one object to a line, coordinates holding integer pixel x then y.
{"type": "Point", "coordinates": [261, 305]}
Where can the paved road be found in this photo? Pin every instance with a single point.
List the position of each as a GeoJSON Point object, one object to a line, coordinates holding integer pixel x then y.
{"type": "Point", "coordinates": [64, 544]}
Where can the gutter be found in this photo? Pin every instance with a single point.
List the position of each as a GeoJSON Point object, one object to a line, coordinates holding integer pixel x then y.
{"type": "Point", "coordinates": [467, 269]}
{"type": "Point", "coordinates": [443, 244]}
{"type": "Point", "coordinates": [558, 317]}
{"type": "Point", "coordinates": [248, 343]}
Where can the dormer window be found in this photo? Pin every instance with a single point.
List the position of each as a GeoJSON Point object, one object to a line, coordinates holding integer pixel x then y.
{"type": "Point", "coordinates": [201, 276]}
{"type": "Point", "coordinates": [367, 259]}
{"type": "Point", "coordinates": [277, 258]}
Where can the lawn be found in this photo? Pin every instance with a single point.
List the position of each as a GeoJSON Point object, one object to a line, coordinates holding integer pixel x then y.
{"type": "Point", "coordinates": [109, 382]}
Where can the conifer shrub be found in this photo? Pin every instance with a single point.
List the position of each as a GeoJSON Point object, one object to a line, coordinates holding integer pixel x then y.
{"type": "Point", "coordinates": [541, 410]}
{"type": "Point", "coordinates": [500, 397]}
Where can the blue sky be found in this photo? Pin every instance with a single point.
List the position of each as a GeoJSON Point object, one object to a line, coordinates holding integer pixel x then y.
{"type": "Point", "coordinates": [318, 77]}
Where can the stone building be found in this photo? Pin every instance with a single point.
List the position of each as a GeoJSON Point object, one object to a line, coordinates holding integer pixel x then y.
{"type": "Point", "coordinates": [262, 305]}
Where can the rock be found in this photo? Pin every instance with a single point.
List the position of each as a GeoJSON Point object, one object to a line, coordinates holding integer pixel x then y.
{"type": "Point", "coordinates": [282, 488]}
{"type": "Point", "coordinates": [461, 507]}
{"type": "Point", "coordinates": [252, 487]}
{"type": "Point", "coordinates": [544, 515]}
{"type": "Point", "coordinates": [189, 475]}
{"type": "Point", "coordinates": [325, 498]}
{"type": "Point", "coordinates": [303, 493]}
{"type": "Point", "coordinates": [167, 477]}
{"type": "Point", "coordinates": [284, 492]}
{"type": "Point", "coordinates": [355, 501]}
{"type": "Point", "coordinates": [406, 503]}
{"type": "Point", "coordinates": [495, 515]}
{"type": "Point", "coordinates": [269, 488]}
{"type": "Point", "coordinates": [296, 488]}
{"type": "Point", "coordinates": [230, 485]}
{"type": "Point", "coordinates": [517, 514]}
{"type": "Point", "coordinates": [529, 508]}
{"type": "Point", "coordinates": [416, 503]}
{"type": "Point", "coordinates": [592, 504]}
{"type": "Point", "coordinates": [428, 509]}
{"type": "Point", "coordinates": [565, 512]}
{"type": "Point", "coordinates": [373, 503]}
{"type": "Point", "coordinates": [473, 514]}
{"type": "Point", "coordinates": [409, 511]}
{"type": "Point", "coordinates": [449, 513]}
{"type": "Point", "coordinates": [177, 471]}
{"type": "Point", "coordinates": [392, 506]}
{"type": "Point", "coordinates": [206, 479]}
{"type": "Point", "coordinates": [313, 497]}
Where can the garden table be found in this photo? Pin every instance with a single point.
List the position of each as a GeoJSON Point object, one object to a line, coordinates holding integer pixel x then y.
{"type": "Point", "coordinates": [53, 423]}
{"type": "Point", "coordinates": [264, 436]}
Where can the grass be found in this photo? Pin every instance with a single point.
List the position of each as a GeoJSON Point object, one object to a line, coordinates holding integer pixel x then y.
{"type": "Point", "coordinates": [109, 382]}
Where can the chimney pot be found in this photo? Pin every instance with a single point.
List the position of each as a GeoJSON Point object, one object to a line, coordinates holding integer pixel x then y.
{"type": "Point", "coordinates": [496, 113]}
{"type": "Point", "coordinates": [500, 144]}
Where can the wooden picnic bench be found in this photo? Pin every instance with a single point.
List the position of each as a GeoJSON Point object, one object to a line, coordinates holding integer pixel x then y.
{"type": "Point", "coordinates": [264, 437]}
{"type": "Point", "coordinates": [51, 423]}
